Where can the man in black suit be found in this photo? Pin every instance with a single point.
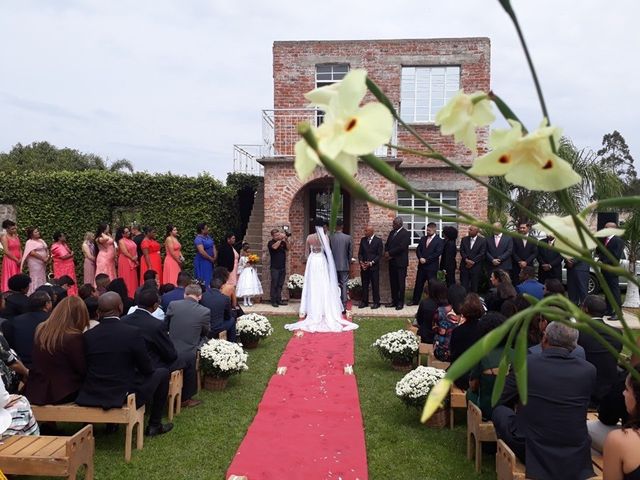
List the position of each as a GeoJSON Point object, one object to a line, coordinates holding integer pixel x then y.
{"type": "Point", "coordinates": [524, 252]}
{"type": "Point", "coordinates": [615, 246]}
{"type": "Point", "coordinates": [220, 307]}
{"type": "Point", "coordinates": [161, 350]}
{"type": "Point", "coordinates": [369, 255]}
{"type": "Point", "coordinates": [549, 262]}
{"type": "Point", "coordinates": [499, 250]}
{"type": "Point", "coordinates": [473, 249]}
{"type": "Point", "coordinates": [428, 252]}
{"type": "Point", "coordinates": [549, 433]}
{"type": "Point", "coordinates": [16, 299]}
{"type": "Point", "coordinates": [577, 280]}
{"type": "Point", "coordinates": [20, 330]}
{"type": "Point", "coordinates": [118, 363]}
{"type": "Point", "coordinates": [396, 250]}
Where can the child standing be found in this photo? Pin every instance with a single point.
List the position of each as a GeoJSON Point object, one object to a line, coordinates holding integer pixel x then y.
{"type": "Point", "coordinates": [248, 281]}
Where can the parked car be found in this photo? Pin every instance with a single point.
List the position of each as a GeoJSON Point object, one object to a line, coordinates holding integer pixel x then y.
{"type": "Point", "coordinates": [594, 284]}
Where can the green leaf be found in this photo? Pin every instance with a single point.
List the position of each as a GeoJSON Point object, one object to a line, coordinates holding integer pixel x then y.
{"type": "Point", "coordinates": [520, 360]}
{"type": "Point", "coordinates": [506, 111]}
{"type": "Point", "coordinates": [335, 205]}
{"type": "Point", "coordinates": [620, 202]}
{"type": "Point", "coordinates": [503, 368]}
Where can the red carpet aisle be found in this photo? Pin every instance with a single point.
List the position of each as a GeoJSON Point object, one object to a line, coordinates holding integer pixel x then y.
{"type": "Point", "coordinates": [309, 424]}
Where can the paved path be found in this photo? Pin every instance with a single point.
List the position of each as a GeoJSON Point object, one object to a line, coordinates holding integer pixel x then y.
{"type": "Point", "coordinates": [631, 318]}
{"type": "Point", "coordinates": [292, 310]}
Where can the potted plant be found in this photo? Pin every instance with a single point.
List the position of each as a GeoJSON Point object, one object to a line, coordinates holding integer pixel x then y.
{"type": "Point", "coordinates": [219, 359]}
{"type": "Point", "coordinates": [295, 284]}
{"type": "Point", "coordinates": [401, 347]}
{"type": "Point", "coordinates": [414, 389]}
{"type": "Point", "coordinates": [251, 328]}
{"type": "Point", "coordinates": [354, 285]}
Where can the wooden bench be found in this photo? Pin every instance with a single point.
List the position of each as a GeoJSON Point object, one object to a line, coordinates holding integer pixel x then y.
{"type": "Point", "coordinates": [435, 363]}
{"type": "Point", "coordinates": [48, 455]}
{"type": "Point", "coordinates": [458, 401]}
{"type": "Point", "coordinates": [424, 349]}
{"type": "Point", "coordinates": [478, 431]}
{"type": "Point", "coordinates": [174, 399]}
{"type": "Point", "coordinates": [128, 415]}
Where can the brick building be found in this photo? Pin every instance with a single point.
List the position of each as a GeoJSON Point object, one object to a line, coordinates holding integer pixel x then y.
{"type": "Point", "coordinates": [419, 76]}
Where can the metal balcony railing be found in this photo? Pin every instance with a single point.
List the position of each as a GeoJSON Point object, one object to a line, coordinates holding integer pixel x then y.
{"type": "Point", "coordinates": [245, 159]}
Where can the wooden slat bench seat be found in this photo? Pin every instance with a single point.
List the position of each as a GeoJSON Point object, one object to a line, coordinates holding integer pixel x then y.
{"type": "Point", "coordinates": [424, 349]}
{"type": "Point", "coordinates": [174, 399]}
{"type": "Point", "coordinates": [128, 415]}
{"type": "Point", "coordinates": [48, 455]}
{"type": "Point", "coordinates": [457, 401]}
{"type": "Point", "coordinates": [478, 431]}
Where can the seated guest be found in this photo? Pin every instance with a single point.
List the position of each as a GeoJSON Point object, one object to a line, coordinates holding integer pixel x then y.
{"type": "Point", "coordinates": [87, 290]}
{"type": "Point", "coordinates": [612, 413]}
{"type": "Point", "coordinates": [19, 411]}
{"type": "Point", "coordinates": [536, 331]}
{"type": "Point", "coordinates": [456, 294]}
{"type": "Point", "coordinates": [553, 286]}
{"type": "Point", "coordinates": [20, 330]}
{"type": "Point", "coordinates": [16, 299]}
{"type": "Point", "coordinates": [184, 279]}
{"type": "Point", "coordinates": [501, 291]}
{"type": "Point", "coordinates": [426, 312]}
{"type": "Point", "coordinates": [166, 288]}
{"type": "Point", "coordinates": [149, 280]}
{"type": "Point", "coordinates": [119, 286]}
{"type": "Point", "coordinates": [219, 306]}
{"type": "Point", "coordinates": [622, 447]}
{"type": "Point", "coordinates": [65, 282]}
{"type": "Point", "coordinates": [160, 347]}
{"type": "Point", "coordinates": [467, 333]}
{"type": "Point", "coordinates": [596, 354]}
{"type": "Point", "coordinates": [529, 284]}
{"type": "Point", "coordinates": [483, 376]}
{"type": "Point", "coordinates": [445, 321]}
{"type": "Point", "coordinates": [92, 307]}
{"type": "Point", "coordinates": [188, 321]}
{"type": "Point", "coordinates": [549, 433]}
{"type": "Point", "coordinates": [118, 363]}
{"type": "Point", "coordinates": [58, 364]}
{"type": "Point", "coordinates": [12, 370]}
{"type": "Point", "coordinates": [102, 280]}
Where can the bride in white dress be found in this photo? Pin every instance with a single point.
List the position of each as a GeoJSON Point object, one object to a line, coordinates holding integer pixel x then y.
{"type": "Point", "coordinates": [320, 305]}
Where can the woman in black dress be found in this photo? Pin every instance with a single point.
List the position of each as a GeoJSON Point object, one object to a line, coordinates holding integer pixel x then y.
{"type": "Point", "coordinates": [448, 257]}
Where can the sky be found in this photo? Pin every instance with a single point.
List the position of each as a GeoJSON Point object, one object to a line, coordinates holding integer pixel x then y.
{"type": "Point", "coordinates": [172, 86]}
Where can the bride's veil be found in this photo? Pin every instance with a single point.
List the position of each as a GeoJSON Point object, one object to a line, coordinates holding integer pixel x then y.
{"type": "Point", "coordinates": [333, 273]}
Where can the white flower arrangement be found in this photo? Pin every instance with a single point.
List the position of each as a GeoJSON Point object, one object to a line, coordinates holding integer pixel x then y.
{"type": "Point", "coordinates": [416, 385]}
{"type": "Point", "coordinates": [220, 358]}
{"type": "Point", "coordinates": [252, 327]}
{"type": "Point", "coordinates": [354, 283]}
{"type": "Point", "coordinates": [296, 282]}
{"type": "Point", "coordinates": [401, 345]}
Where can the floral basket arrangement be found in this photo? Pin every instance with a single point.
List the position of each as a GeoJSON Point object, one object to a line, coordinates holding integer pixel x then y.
{"type": "Point", "coordinates": [295, 284]}
{"type": "Point", "coordinates": [253, 259]}
{"type": "Point", "coordinates": [415, 386]}
{"type": "Point", "coordinates": [401, 347]}
{"type": "Point", "coordinates": [252, 328]}
{"type": "Point", "coordinates": [354, 286]}
{"type": "Point", "coordinates": [222, 359]}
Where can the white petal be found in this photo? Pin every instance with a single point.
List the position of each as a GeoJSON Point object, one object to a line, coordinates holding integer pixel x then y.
{"type": "Point", "coordinates": [607, 232]}
{"type": "Point", "coordinates": [556, 174]}
{"type": "Point", "coordinates": [351, 91]}
{"type": "Point", "coordinates": [371, 127]}
{"type": "Point", "coordinates": [321, 97]}
{"type": "Point", "coordinates": [494, 164]}
{"type": "Point", "coordinates": [306, 160]}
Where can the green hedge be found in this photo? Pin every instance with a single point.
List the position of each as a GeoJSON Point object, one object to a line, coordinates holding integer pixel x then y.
{"type": "Point", "coordinates": [76, 202]}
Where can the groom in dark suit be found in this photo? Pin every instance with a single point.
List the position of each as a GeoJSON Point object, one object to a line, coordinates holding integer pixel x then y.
{"type": "Point", "coordinates": [524, 252]}
{"type": "Point", "coordinates": [499, 250]}
{"type": "Point", "coordinates": [428, 252]}
{"type": "Point", "coordinates": [369, 255]}
{"type": "Point", "coordinates": [473, 249]}
{"type": "Point", "coordinates": [396, 250]}
{"type": "Point", "coordinates": [342, 250]}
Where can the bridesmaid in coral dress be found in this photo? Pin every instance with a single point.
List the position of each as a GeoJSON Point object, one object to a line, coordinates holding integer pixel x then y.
{"type": "Point", "coordinates": [173, 258]}
{"type": "Point", "coordinates": [12, 254]}
{"type": "Point", "coordinates": [106, 258]}
{"type": "Point", "coordinates": [36, 256]}
{"type": "Point", "coordinates": [63, 263]}
{"type": "Point", "coordinates": [127, 260]}
{"type": "Point", "coordinates": [151, 259]}
{"type": "Point", "coordinates": [89, 252]}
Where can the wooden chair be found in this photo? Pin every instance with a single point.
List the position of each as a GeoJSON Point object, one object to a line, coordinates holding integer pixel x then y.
{"type": "Point", "coordinates": [128, 415]}
{"type": "Point", "coordinates": [174, 399]}
{"type": "Point", "coordinates": [48, 455]}
{"type": "Point", "coordinates": [457, 401]}
{"type": "Point", "coordinates": [478, 431]}
{"type": "Point", "coordinates": [424, 349]}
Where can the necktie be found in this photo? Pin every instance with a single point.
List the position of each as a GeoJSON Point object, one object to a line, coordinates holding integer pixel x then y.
{"type": "Point", "coordinates": [370, 238]}
{"type": "Point", "coordinates": [473, 240]}
{"type": "Point", "coordinates": [524, 243]}
{"type": "Point", "coordinates": [429, 240]}
{"type": "Point", "coordinates": [497, 240]}
{"type": "Point", "coordinates": [606, 242]}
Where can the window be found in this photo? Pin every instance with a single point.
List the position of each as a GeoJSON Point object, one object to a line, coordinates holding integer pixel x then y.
{"type": "Point", "coordinates": [425, 90]}
{"type": "Point", "coordinates": [327, 74]}
{"type": "Point", "coordinates": [417, 223]}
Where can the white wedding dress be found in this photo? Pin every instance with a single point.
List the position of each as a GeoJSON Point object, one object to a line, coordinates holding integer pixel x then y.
{"type": "Point", "coordinates": [320, 304]}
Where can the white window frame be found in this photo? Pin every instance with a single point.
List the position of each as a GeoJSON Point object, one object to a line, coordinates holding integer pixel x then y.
{"type": "Point", "coordinates": [416, 223]}
{"type": "Point", "coordinates": [419, 94]}
{"type": "Point", "coordinates": [334, 76]}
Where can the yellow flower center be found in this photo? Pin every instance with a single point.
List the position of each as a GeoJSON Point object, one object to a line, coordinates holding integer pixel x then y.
{"type": "Point", "coordinates": [351, 124]}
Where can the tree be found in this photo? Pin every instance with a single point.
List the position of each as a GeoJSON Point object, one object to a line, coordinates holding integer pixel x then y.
{"type": "Point", "coordinates": [616, 155]}
{"type": "Point", "coordinates": [44, 157]}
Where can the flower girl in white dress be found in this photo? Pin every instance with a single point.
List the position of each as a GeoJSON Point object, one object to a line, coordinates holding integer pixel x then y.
{"type": "Point", "coordinates": [248, 282]}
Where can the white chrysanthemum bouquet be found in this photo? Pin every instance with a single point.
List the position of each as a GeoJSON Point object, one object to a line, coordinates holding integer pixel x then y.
{"type": "Point", "coordinates": [253, 327]}
{"type": "Point", "coordinates": [354, 283]}
{"type": "Point", "coordinates": [400, 346]}
{"type": "Point", "coordinates": [415, 386]}
{"type": "Point", "coordinates": [221, 359]}
{"type": "Point", "coordinates": [296, 282]}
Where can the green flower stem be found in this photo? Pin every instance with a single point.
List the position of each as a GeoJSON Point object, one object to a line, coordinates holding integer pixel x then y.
{"type": "Point", "coordinates": [505, 110]}
{"type": "Point", "coordinates": [520, 359]}
{"type": "Point", "coordinates": [335, 204]}
{"type": "Point", "coordinates": [618, 309]}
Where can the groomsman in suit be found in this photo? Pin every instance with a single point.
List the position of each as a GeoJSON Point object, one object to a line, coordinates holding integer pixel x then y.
{"type": "Point", "coordinates": [396, 250]}
{"type": "Point", "coordinates": [615, 245]}
{"type": "Point", "coordinates": [549, 262]}
{"type": "Point", "coordinates": [369, 256]}
{"type": "Point", "coordinates": [342, 250]}
{"type": "Point", "coordinates": [524, 253]}
{"type": "Point", "coordinates": [428, 252]}
{"type": "Point", "coordinates": [577, 280]}
{"type": "Point", "coordinates": [499, 250]}
{"type": "Point", "coordinates": [473, 249]}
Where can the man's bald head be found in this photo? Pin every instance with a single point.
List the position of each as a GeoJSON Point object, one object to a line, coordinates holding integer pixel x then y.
{"type": "Point", "coordinates": [611, 225]}
{"type": "Point", "coordinates": [368, 230]}
{"type": "Point", "coordinates": [109, 305]}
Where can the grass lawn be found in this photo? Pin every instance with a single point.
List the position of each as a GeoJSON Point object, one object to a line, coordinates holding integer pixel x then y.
{"type": "Point", "coordinates": [205, 439]}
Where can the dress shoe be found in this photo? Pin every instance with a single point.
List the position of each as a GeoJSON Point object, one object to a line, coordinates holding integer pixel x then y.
{"type": "Point", "coordinates": [389, 305]}
{"type": "Point", "coordinates": [190, 403]}
{"type": "Point", "coordinates": [282, 302]}
{"type": "Point", "coordinates": [363, 305]}
{"type": "Point", "coordinates": [275, 305]}
{"type": "Point", "coordinates": [154, 430]}
{"type": "Point", "coordinates": [374, 306]}
{"type": "Point", "coordinates": [410, 304]}
{"type": "Point", "coordinates": [399, 307]}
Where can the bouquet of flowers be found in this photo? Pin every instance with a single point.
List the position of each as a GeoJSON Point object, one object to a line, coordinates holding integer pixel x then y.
{"type": "Point", "coordinates": [253, 327]}
{"type": "Point", "coordinates": [399, 346]}
{"type": "Point", "coordinates": [354, 283]}
{"type": "Point", "coordinates": [415, 386]}
{"type": "Point", "coordinates": [221, 359]}
{"type": "Point", "coordinates": [253, 259]}
{"type": "Point", "coordinates": [296, 282]}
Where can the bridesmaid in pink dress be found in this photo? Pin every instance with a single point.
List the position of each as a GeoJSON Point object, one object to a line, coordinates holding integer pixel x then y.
{"type": "Point", "coordinates": [89, 252]}
{"type": "Point", "coordinates": [63, 263]}
{"type": "Point", "coordinates": [36, 256]}
{"type": "Point", "coordinates": [127, 260]}
{"type": "Point", "coordinates": [173, 259]}
{"type": "Point", "coordinates": [12, 254]}
{"type": "Point", "coordinates": [106, 258]}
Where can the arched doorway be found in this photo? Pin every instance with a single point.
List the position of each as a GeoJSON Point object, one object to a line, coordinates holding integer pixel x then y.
{"type": "Point", "coordinates": [318, 201]}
